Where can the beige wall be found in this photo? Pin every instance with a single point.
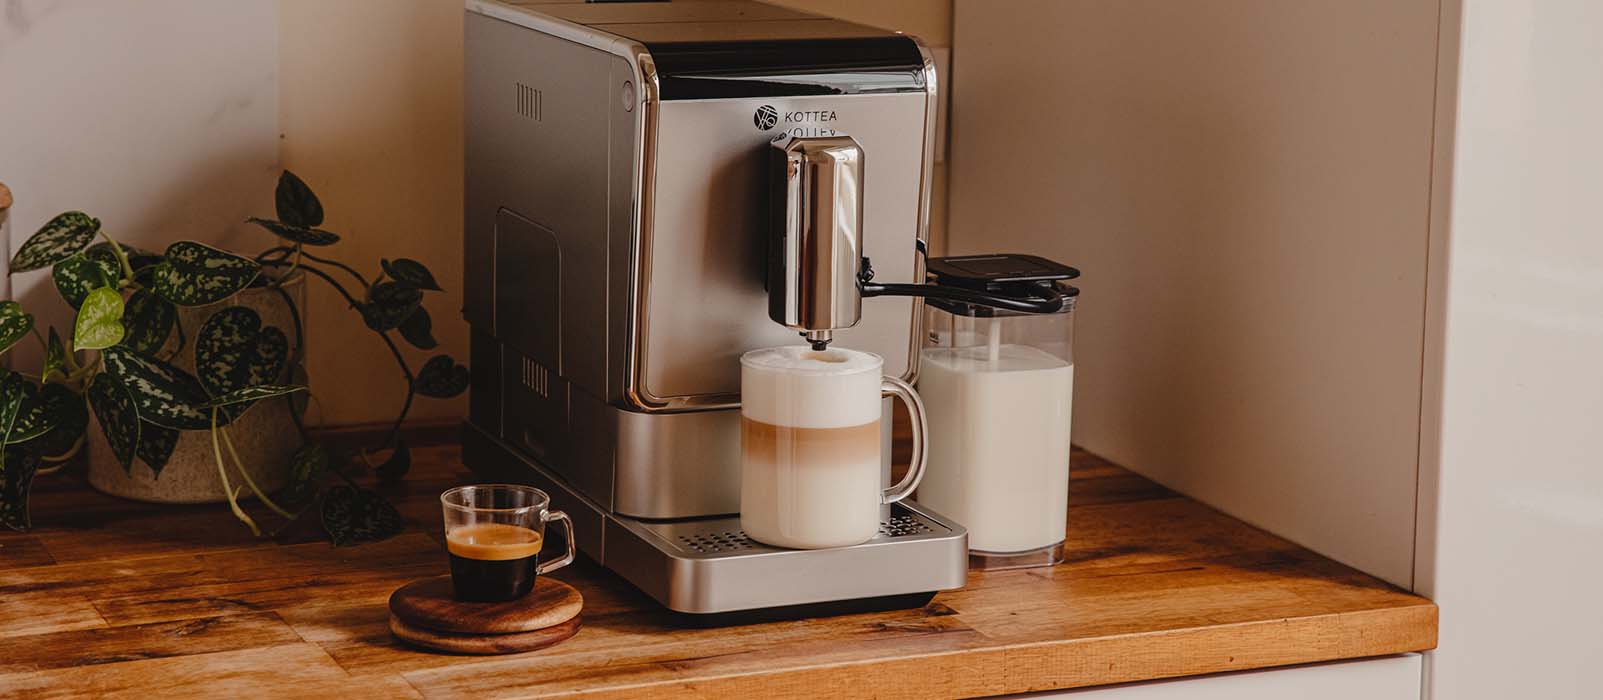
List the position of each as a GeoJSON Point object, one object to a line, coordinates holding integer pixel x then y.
{"type": "Point", "coordinates": [371, 115]}
{"type": "Point", "coordinates": [1246, 185]}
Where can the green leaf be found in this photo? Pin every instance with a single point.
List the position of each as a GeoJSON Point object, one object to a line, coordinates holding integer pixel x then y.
{"type": "Point", "coordinates": [76, 276]}
{"type": "Point", "coordinates": [352, 516]}
{"type": "Point", "coordinates": [398, 463]}
{"type": "Point", "coordinates": [410, 272]}
{"type": "Point", "coordinates": [70, 416]}
{"type": "Point", "coordinates": [418, 329]}
{"type": "Point", "coordinates": [148, 319]}
{"type": "Point", "coordinates": [55, 356]}
{"type": "Point", "coordinates": [296, 203]}
{"type": "Point", "coordinates": [162, 394]}
{"type": "Point", "coordinates": [196, 274]}
{"type": "Point", "coordinates": [14, 324]}
{"type": "Point", "coordinates": [119, 419]}
{"type": "Point", "coordinates": [251, 394]}
{"type": "Point", "coordinates": [306, 470]}
{"type": "Point", "coordinates": [233, 351]}
{"type": "Point", "coordinates": [56, 241]}
{"type": "Point", "coordinates": [99, 324]}
{"type": "Point", "coordinates": [441, 378]}
{"type": "Point", "coordinates": [156, 445]}
{"type": "Point", "coordinates": [297, 234]}
{"type": "Point", "coordinates": [33, 417]}
{"type": "Point", "coordinates": [388, 304]}
{"type": "Point", "coordinates": [17, 467]}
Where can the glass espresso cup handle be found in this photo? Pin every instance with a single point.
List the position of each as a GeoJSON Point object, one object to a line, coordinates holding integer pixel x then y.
{"type": "Point", "coordinates": [891, 386]}
{"type": "Point", "coordinates": [567, 527]}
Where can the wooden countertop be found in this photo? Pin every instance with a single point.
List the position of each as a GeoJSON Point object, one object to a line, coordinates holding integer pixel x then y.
{"type": "Point", "coordinates": [117, 599]}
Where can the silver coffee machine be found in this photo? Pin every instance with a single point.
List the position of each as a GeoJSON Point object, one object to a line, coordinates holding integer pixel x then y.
{"type": "Point", "coordinates": [635, 207]}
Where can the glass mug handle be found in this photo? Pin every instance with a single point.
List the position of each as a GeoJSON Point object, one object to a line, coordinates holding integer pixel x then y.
{"type": "Point", "coordinates": [891, 386]}
{"type": "Point", "coordinates": [567, 527]}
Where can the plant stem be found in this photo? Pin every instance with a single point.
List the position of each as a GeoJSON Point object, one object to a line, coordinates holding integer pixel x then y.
{"type": "Point", "coordinates": [233, 502]}
{"type": "Point", "coordinates": [240, 465]}
{"type": "Point", "coordinates": [291, 271]}
{"type": "Point", "coordinates": [127, 267]}
{"type": "Point", "coordinates": [326, 278]}
{"type": "Point", "coordinates": [347, 268]}
{"type": "Point", "coordinates": [411, 391]}
{"type": "Point", "coordinates": [69, 454]}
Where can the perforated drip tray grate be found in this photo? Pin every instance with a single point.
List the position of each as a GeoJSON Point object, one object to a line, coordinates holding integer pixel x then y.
{"type": "Point", "coordinates": [722, 537]}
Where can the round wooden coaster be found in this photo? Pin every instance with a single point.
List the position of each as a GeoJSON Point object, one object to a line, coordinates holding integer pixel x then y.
{"type": "Point", "coordinates": [427, 603]}
{"type": "Point", "coordinates": [484, 643]}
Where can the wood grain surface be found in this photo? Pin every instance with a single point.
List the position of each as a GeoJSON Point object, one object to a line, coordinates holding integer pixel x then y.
{"type": "Point", "coordinates": [485, 644]}
{"type": "Point", "coordinates": [110, 598]}
{"type": "Point", "coordinates": [429, 603]}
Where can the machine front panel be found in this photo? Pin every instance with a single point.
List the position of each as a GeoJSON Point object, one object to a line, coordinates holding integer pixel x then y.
{"type": "Point", "coordinates": [707, 302]}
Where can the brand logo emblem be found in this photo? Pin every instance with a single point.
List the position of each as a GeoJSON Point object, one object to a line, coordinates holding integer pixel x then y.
{"type": "Point", "coordinates": [765, 118]}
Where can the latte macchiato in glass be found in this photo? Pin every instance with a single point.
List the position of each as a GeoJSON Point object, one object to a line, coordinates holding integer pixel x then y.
{"type": "Point", "coordinates": [810, 446]}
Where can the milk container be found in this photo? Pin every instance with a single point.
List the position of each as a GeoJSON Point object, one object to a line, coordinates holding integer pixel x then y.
{"type": "Point", "coordinates": [998, 390]}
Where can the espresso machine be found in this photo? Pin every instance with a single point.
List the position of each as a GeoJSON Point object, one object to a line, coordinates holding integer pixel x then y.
{"type": "Point", "coordinates": [652, 189]}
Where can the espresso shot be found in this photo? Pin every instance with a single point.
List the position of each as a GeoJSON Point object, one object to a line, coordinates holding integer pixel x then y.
{"type": "Point", "coordinates": [493, 562]}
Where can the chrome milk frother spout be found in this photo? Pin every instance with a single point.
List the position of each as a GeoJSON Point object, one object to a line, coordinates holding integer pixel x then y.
{"type": "Point", "coordinates": [817, 273]}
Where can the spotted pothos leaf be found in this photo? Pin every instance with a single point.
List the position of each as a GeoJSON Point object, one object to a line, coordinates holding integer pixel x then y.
{"type": "Point", "coordinates": [251, 394]}
{"type": "Point", "coordinates": [13, 390]}
{"type": "Point", "coordinates": [148, 320]}
{"type": "Point", "coordinates": [69, 419]}
{"type": "Point", "coordinates": [196, 274]}
{"type": "Point", "coordinates": [33, 417]}
{"type": "Point", "coordinates": [18, 465]}
{"type": "Point", "coordinates": [57, 240]}
{"type": "Point", "coordinates": [409, 271]}
{"type": "Point", "coordinates": [99, 323]}
{"type": "Point", "coordinates": [156, 445]}
{"type": "Point", "coordinates": [352, 516]}
{"type": "Point", "coordinates": [297, 234]}
{"type": "Point", "coordinates": [14, 324]}
{"type": "Point", "coordinates": [119, 419]}
{"type": "Point", "coordinates": [418, 329]}
{"type": "Point", "coordinates": [441, 378]}
{"type": "Point", "coordinates": [55, 357]}
{"type": "Point", "coordinates": [162, 393]}
{"type": "Point", "coordinates": [306, 470]}
{"type": "Point", "coordinates": [76, 276]}
{"type": "Point", "coordinates": [234, 351]}
{"type": "Point", "coordinates": [388, 304]}
{"type": "Point", "coordinates": [295, 202]}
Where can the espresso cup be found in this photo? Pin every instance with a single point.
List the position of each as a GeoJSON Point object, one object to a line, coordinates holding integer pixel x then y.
{"type": "Point", "coordinates": [810, 446]}
{"type": "Point", "coordinates": [494, 533]}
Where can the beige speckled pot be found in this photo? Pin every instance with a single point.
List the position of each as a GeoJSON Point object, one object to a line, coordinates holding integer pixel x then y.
{"type": "Point", "coordinates": [265, 436]}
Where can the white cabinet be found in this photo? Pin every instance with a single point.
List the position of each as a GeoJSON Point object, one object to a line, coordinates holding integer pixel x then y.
{"type": "Point", "coordinates": [1387, 678]}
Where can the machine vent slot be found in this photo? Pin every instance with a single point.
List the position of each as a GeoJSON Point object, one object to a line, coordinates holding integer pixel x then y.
{"type": "Point", "coordinates": [530, 102]}
{"type": "Point", "coordinates": [536, 378]}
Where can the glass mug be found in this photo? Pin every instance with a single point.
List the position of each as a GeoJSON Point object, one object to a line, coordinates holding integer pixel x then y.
{"type": "Point", "coordinates": [493, 533]}
{"type": "Point", "coordinates": [810, 445]}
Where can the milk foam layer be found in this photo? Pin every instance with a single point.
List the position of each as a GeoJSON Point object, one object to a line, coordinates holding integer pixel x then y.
{"type": "Point", "coordinates": [799, 387]}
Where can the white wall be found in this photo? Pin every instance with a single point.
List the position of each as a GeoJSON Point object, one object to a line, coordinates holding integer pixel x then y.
{"type": "Point", "coordinates": [1246, 185]}
{"type": "Point", "coordinates": [1512, 548]}
{"type": "Point", "coordinates": [160, 117]}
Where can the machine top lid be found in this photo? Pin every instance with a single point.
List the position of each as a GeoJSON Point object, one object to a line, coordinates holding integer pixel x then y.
{"type": "Point", "coordinates": [707, 49]}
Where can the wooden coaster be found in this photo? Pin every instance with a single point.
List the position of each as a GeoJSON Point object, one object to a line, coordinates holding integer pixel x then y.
{"type": "Point", "coordinates": [484, 643]}
{"type": "Point", "coordinates": [428, 604]}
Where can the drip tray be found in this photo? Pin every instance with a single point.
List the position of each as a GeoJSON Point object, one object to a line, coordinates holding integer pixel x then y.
{"type": "Point", "coordinates": [711, 566]}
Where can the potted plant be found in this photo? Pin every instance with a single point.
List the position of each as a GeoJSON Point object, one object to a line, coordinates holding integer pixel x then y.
{"type": "Point", "coordinates": [180, 377]}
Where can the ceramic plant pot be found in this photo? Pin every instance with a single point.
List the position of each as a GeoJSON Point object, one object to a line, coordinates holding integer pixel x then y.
{"type": "Point", "coordinates": [265, 436]}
